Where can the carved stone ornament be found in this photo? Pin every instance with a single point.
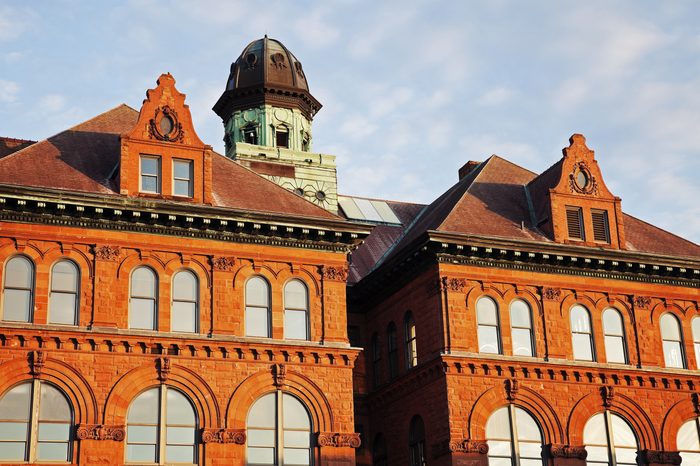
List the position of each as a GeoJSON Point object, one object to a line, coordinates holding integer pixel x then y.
{"type": "Point", "coordinates": [165, 126]}
{"type": "Point", "coordinates": [278, 60]}
{"type": "Point", "coordinates": [511, 386]}
{"type": "Point", "coordinates": [660, 457]}
{"type": "Point", "coordinates": [36, 360]}
{"type": "Point", "coordinates": [469, 446]}
{"type": "Point", "coordinates": [580, 173]}
{"type": "Point", "coordinates": [107, 253]}
{"type": "Point", "coordinates": [163, 367]}
{"type": "Point", "coordinates": [279, 373]}
{"type": "Point", "coordinates": [300, 70]}
{"type": "Point", "coordinates": [336, 274]}
{"type": "Point", "coordinates": [236, 436]}
{"type": "Point", "coordinates": [223, 264]}
{"type": "Point", "coordinates": [695, 397]}
{"type": "Point", "coordinates": [557, 450]}
{"type": "Point", "coordinates": [456, 285]}
{"type": "Point", "coordinates": [100, 432]}
{"type": "Point", "coordinates": [551, 294]}
{"type": "Point", "coordinates": [608, 394]}
{"type": "Point", "coordinates": [642, 302]}
{"type": "Point", "coordinates": [339, 439]}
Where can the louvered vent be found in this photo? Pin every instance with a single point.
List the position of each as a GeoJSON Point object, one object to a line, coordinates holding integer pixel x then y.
{"type": "Point", "coordinates": [601, 229]}
{"type": "Point", "coordinates": [574, 221]}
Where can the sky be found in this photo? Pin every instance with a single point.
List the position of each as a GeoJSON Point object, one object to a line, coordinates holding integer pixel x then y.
{"type": "Point", "coordinates": [411, 89]}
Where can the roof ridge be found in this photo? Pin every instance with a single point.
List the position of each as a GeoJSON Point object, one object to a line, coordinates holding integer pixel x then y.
{"type": "Point", "coordinates": [538, 176]}
{"type": "Point", "coordinates": [476, 172]}
{"type": "Point", "coordinates": [514, 164]}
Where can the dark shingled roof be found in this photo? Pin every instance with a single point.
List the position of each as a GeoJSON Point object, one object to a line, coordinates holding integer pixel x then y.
{"type": "Point", "coordinates": [11, 145]}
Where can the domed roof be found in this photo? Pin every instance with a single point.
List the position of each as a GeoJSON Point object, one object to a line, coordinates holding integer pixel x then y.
{"type": "Point", "coordinates": [266, 68]}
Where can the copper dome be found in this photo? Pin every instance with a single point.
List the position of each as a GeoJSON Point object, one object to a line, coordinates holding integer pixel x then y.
{"type": "Point", "coordinates": [266, 72]}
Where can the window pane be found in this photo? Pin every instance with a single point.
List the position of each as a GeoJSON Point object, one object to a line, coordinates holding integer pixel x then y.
{"type": "Point", "coordinates": [256, 292]}
{"type": "Point", "coordinates": [149, 165]}
{"type": "Point", "coordinates": [488, 339]}
{"type": "Point", "coordinates": [498, 425]}
{"type": "Point", "coordinates": [295, 414]}
{"type": "Point", "coordinates": [52, 451]}
{"type": "Point", "coordinates": [16, 305]}
{"type": "Point", "coordinates": [180, 409]}
{"type": "Point", "coordinates": [182, 188]}
{"type": "Point", "coordinates": [142, 434]}
{"type": "Point", "coordinates": [184, 317]}
{"type": "Point", "coordinates": [295, 438]}
{"type": "Point", "coordinates": [690, 458]}
{"type": "Point", "coordinates": [597, 454]}
{"type": "Point", "coordinates": [615, 349]}
{"type": "Point", "coordinates": [261, 438]}
{"type": "Point", "coordinates": [143, 283]}
{"type": "Point", "coordinates": [179, 454]}
{"type": "Point", "coordinates": [687, 438]}
{"type": "Point", "coordinates": [142, 314]}
{"type": "Point", "coordinates": [526, 426]}
{"type": "Point", "coordinates": [149, 183]}
{"type": "Point", "coordinates": [182, 169]}
{"type": "Point", "coordinates": [261, 455]}
{"type": "Point", "coordinates": [626, 456]}
{"type": "Point", "coordinates": [499, 461]}
{"type": "Point", "coordinates": [582, 347]}
{"type": "Point", "coordinates": [522, 344]}
{"type": "Point", "coordinates": [13, 431]}
{"type": "Point", "coordinates": [263, 412]}
{"type": "Point", "coordinates": [256, 322]}
{"type": "Point", "coordinates": [53, 405]}
{"type": "Point", "coordinates": [185, 286]}
{"type": "Point", "coordinates": [19, 273]}
{"type": "Point", "coordinates": [295, 325]}
{"type": "Point", "coordinates": [145, 453]}
{"type": "Point", "coordinates": [612, 322]}
{"type": "Point", "coordinates": [53, 432]}
{"type": "Point", "coordinates": [144, 409]}
{"type": "Point", "coordinates": [486, 311]}
{"type": "Point", "coordinates": [696, 329]}
{"type": "Point", "coordinates": [622, 433]}
{"type": "Point", "coordinates": [530, 450]}
{"type": "Point", "coordinates": [62, 308]}
{"type": "Point", "coordinates": [594, 432]}
{"type": "Point", "coordinates": [669, 328]}
{"type": "Point", "coordinates": [672, 354]}
{"type": "Point", "coordinates": [295, 295]}
{"type": "Point", "coordinates": [499, 448]}
{"type": "Point", "coordinates": [580, 320]}
{"type": "Point", "coordinates": [12, 451]}
{"type": "Point", "coordinates": [296, 457]}
{"type": "Point", "coordinates": [64, 276]}
{"type": "Point", "coordinates": [520, 314]}
{"type": "Point", "coordinates": [15, 403]}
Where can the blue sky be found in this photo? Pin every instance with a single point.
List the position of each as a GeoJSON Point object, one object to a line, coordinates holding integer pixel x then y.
{"type": "Point", "coordinates": [411, 89]}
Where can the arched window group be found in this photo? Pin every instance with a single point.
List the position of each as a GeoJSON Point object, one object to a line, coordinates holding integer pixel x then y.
{"type": "Point", "coordinates": [393, 348]}
{"type": "Point", "coordinates": [688, 441]}
{"type": "Point", "coordinates": [258, 309]}
{"type": "Point", "coordinates": [489, 327]}
{"type": "Point", "coordinates": [610, 441]}
{"type": "Point", "coordinates": [514, 438]}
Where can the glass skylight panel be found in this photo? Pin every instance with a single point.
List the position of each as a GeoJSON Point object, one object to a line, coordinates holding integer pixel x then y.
{"type": "Point", "coordinates": [349, 207]}
{"type": "Point", "coordinates": [368, 210]}
{"type": "Point", "coordinates": [385, 212]}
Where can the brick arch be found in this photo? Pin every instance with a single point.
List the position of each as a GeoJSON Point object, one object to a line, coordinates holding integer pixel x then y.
{"type": "Point", "coordinates": [308, 278]}
{"type": "Point", "coordinates": [195, 266]}
{"type": "Point", "coordinates": [68, 379]}
{"type": "Point", "coordinates": [295, 383]}
{"type": "Point", "coordinates": [680, 413]}
{"type": "Point", "coordinates": [572, 299]}
{"type": "Point", "coordinates": [660, 309]}
{"type": "Point", "coordinates": [621, 405]}
{"type": "Point", "coordinates": [29, 250]}
{"type": "Point", "coordinates": [527, 399]}
{"type": "Point", "coordinates": [244, 273]}
{"type": "Point", "coordinates": [80, 259]}
{"type": "Point", "coordinates": [134, 260]}
{"type": "Point", "coordinates": [134, 382]}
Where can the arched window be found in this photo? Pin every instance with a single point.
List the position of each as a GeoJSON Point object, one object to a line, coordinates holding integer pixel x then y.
{"type": "Point", "coordinates": [514, 438]}
{"type": "Point", "coordinates": [296, 310]}
{"type": "Point", "coordinates": [489, 331]}
{"type": "Point", "coordinates": [688, 442]}
{"type": "Point", "coordinates": [416, 442]}
{"type": "Point", "coordinates": [35, 414]}
{"type": "Point", "coordinates": [63, 298]}
{"type": "Point", "coordinates": [609, 441]}
{"type": "Point", "coordinates": [393, 351]}
{"type": "Point", "coordinates": [410, 341]}
{"type": "Point", "coordinates": [672, 341]}
{"type": "Point", "coordinates": [185, 306]}
{"type": "Point", "coordinates": [614, 331]}
{"type": "Point", "coordinates": [379, 454]}
{"type": "Point", "coordinates": [18, 290]}
{"type": "Point", "coordinates": [582, 334]}
{"type": "Point", "coordinates": [257, 307]}
{"type": "Point", "coordinates": [521, 328]}
{"type": "Point", "coordinates": [161, 428]}
{"type": "Point", "coordinates": [376, 361]}
{"type": "Point", "coordinates": [279, 431]}
{"type": "Point", "coordinates": [696, 339]}
{"type": "Point", "coordinates": [143, 303]}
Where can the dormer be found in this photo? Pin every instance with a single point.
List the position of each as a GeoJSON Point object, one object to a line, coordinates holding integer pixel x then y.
{"type": "Point", "coordinates": [573, 205]}
{"type": "Point", "coordinates": [162, 157]}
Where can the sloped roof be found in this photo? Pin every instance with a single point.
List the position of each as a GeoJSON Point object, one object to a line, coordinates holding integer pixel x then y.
{"type": "Point", "coordinates": [11, 145]}
{"type": "Point", "coordinates": [85, 158]}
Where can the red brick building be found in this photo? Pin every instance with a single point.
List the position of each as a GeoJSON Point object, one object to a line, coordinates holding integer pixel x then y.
{"type": "Point", "coordinates": [165, 304]}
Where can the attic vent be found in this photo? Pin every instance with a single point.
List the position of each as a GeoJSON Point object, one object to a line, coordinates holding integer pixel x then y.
{"type": "Point", "coordinates": [574, 222]}
{"type": "Point", "coordinates": [601, 229]}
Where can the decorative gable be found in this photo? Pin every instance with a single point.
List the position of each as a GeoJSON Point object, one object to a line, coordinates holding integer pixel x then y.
{"type": "Point", "coordinates": [574, 204]}
{"type": "Point", "coordinates": [162, 156]}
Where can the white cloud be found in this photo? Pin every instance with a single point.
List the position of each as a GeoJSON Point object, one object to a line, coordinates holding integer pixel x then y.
{"type": "Point", "coordinates": [8, 91]}
{"type": "Point", "coordinates": [357, 126]}
{"type": "Point", "coordinates": [52, 103]}
{"type": "Point", "coordinates": [316, 30]}
{"type": "Point", "coordinates": [12, 23]}
{"type": "Point", "coordinates": [495, 96]}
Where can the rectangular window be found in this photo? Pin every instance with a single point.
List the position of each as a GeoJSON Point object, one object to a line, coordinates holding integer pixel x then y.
{"type": "Point", "coordinates": [182, 178]}
{"type": "Point", "coordinates": [150, 174]}
{"type": "Point", "coordinates": [282, 137]}
{"type": "Point", "coordinates": [574, 222]}
{"type": "Point", "coordinates": [601, 228]}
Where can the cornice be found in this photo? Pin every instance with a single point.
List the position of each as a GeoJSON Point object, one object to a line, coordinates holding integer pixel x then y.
{"type": "Point", "coordinates": [168, 218]}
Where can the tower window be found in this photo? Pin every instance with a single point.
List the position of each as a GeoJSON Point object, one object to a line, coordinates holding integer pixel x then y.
{"type": "Point", "coordinates": [250, 135]}
{"type": "Point", "coordinates": [182, 178]}
{"type": "Point", "coordinates": [574, 222]}
{"type": "Point", "coordinates": [601, 228]}
{"type": "Point", "coordinates": [150, 174]}
{"type": "Point", "coordinates": [282, 137]}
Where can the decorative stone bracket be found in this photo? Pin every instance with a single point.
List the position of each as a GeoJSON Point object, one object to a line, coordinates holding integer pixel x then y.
{"type": "Point", "coordinates": [660, 457]}
{"type": "Point", "coordinates": [339, 439]}
{"type": "Point", "coordinates": [36, 360]}
{"type": "Point", "coordinates": [557, 450]}
{"type": "Point", "coordinates": [235, 436]}
{"type": "Point", "coordinates": [100, 432]}
{"type": "Point", "coordinates": [334, 274]}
